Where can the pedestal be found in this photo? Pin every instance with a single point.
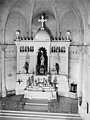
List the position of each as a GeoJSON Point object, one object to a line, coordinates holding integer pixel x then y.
{"type": "Point", "coordinates": [63, 88]}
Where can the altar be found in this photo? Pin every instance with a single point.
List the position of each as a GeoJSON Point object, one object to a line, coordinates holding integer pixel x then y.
{"type": "Point", "coordinates": [42, 65]}
{"type": "Point", "coordinates": [40, 95]}
{"type": "Point", "coordinates": [40, 89]}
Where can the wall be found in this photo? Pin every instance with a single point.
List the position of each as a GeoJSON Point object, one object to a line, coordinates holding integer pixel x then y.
{"type": "Point", "coordinates": [10, 67]}
{"type": "Point", "coordinates": [70, 22]}
{"type": "Point", "coordinates": [0, 72]}
{"type": "Point", "coordinates": [74, 56]}
{"type": "Point", "coordinates": [14, 22]}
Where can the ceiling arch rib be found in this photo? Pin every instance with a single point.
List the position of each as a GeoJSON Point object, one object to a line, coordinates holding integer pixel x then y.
{"type": "Point", "coordinates": [76, 11]}
{"type": "Point", "coordinates": [32, 9]}
{"type": "Point", "coordinates": [56, 17]}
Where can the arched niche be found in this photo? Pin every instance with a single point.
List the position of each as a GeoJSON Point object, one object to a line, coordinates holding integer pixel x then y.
{"type": "Point", "coordinates": [42, 61]}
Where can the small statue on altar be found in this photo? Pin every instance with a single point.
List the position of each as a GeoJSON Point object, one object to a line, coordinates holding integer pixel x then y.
{"type": "Point", "coordinates": [26, 66]}
{"type": "Point", "coordinates": [55, 83]}
{"type": "Point", "coordinates": [29, 82]}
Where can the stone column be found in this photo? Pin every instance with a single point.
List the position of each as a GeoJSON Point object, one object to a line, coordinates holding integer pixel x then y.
{"type": "Point", "coordinates": [89, 28]}
{"type": "Point", "coordinates": [31, 14]}
{"type": "Point", "coordinates": [84, 82]}
{"type": "Point", "coordinates": [89, 74]}
{"type": "Point", "coordinates": [89, 58]}
{"type": "Point", "coordinates": [81, 67]}
{"type": "Point", "coordinates": [18, 57]}
{"type": "Point", "coordinates": [3, 47]}
{"type": "Point", "coordinates": [35, 63]}
{"type": "Point", "coordinates": [48, 63]}
{"type": "Point", "coordinates": [80, 82]}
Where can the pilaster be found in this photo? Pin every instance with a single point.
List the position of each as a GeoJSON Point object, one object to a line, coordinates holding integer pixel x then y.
{"type": "Point", "coordinates": [81, 62]}
{"type": "Point", "coordinates": [84, 82]}
{"type": "Point", "coordinates": [3, 47]}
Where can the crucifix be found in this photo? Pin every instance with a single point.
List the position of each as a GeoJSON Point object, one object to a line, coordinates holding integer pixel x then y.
{"type": "Point", "coordinates": [42, 20]}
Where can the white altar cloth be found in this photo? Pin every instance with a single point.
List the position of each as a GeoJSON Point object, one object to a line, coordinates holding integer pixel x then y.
{"type": "Point", "coordinates": [39, 95]}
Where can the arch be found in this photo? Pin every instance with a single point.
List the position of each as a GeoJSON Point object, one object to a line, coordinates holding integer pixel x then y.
{"type": "Point", "coordinates": [56, 16]}
{"type": "Point", "coordinates": [69, 22]}
{"type": "Point", "coordinates": [76, 10]}
{"type": "Point", "coordinates": [6, 15]}
{"type": "Point", "coordinates": [7, 12]}
{"type": "Point", "coordinates": [16, 21]}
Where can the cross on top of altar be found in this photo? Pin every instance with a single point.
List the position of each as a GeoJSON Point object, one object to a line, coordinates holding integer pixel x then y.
{"type": "Point", "coordinates": [42, 20]}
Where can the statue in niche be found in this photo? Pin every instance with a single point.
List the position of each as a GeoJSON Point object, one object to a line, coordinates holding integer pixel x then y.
{"type": "Point", "coordinates": [26, 66]}
{"type": "Point", "coordinates": [42, 59]}
{"type": "Point", "coordinates": [57, 67]}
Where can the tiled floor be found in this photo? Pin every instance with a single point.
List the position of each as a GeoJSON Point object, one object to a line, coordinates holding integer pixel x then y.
{"type": "Point", "coordinates": [64, 106]}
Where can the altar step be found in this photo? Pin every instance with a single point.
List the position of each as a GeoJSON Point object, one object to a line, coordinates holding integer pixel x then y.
{"type": "Point", "coordinates": [40, 105]}
{"type": "Point", "coordinates": [37, 115]}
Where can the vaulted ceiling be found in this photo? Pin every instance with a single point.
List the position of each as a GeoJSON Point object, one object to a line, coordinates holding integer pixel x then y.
{"type": "Point", "coordinates": [56, 9]}
{"type": "Point", "coordinates": [61, 14]}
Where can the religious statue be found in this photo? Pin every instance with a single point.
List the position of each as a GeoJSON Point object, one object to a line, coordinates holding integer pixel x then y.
{"type": "Point", "coordinates": [57, 67]}
{"type": "Point", "coordinates": [28, 82]}
{"type": "Point", "coordinates": [55, 83]}
{"type": "Point", "coordinates": [42, 60]}
{"type": "Point", "coordinates": [26, 66]}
